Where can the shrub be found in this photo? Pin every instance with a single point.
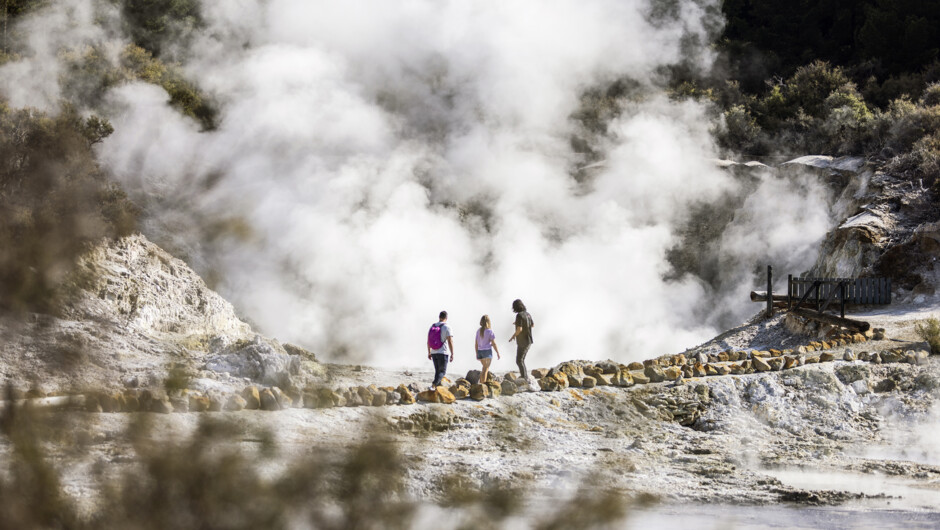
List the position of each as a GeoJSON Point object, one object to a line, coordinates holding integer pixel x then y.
{"type": "Point", "coordinates": [931, 95]}
{"type": "Point", "coordinates": [911, 124]}
{"type": "Point", "coordinates": [809, 87]}
{"type": "Point", "coordinates": [739, 131]}
{"type": "Point", "coordinates": [54, 199]}
{"type": "Point", "coordinates": [929, 330]}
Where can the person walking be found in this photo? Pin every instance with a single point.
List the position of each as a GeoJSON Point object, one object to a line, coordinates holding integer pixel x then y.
{"type": "Point", "coordinates": [485, 344]}
{"type": "Point", "coordinates": [522, 336]}
{"type": "Point", "coordinates": [440, 340]}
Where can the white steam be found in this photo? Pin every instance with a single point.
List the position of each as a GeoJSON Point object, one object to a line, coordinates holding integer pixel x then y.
{"type": "Point", "coordinates": [386, 160]}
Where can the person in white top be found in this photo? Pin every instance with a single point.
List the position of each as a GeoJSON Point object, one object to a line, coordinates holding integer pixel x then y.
{"type": "Point", "coordinates": [485, 344]}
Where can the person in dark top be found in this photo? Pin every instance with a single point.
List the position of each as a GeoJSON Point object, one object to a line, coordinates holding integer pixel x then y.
{"type": "Point", "coordinates": [522, 336]}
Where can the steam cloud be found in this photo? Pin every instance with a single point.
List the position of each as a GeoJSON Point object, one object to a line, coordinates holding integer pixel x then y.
{"type": "Point", "coordinates": [382, 161]}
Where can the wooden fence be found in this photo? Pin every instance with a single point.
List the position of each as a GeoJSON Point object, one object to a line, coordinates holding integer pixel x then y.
{"type": "Point", "coordinates": [871, 291]}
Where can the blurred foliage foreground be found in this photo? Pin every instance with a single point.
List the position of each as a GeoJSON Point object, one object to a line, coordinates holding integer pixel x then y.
{"type": "Point", "coordinates": [221, 476]}
{"type": "Point", "coordinates": [54, 200]}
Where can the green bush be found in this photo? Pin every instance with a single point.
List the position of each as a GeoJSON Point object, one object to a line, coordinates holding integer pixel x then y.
{"type": "Point", "coordinates": [929, 330]}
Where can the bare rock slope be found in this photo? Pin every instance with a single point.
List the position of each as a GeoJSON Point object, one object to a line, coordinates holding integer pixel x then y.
{"type": "Point", "coordinates": [132, 314]}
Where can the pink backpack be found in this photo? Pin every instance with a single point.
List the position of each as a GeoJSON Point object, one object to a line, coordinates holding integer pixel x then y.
{"type": "Point", "coordinates": [434, 336]}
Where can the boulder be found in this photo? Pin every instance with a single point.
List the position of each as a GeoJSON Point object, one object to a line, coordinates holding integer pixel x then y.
{"type": "Point", "coordinates": [310, 400]}
{"type": "Point", "coordinates": [548, 384]}
{"type": "Point", "coordinates": [259, 359]}
{"type": "Point", "coordinates": [479, 392]}
{"type": "Point", "coordinates": [571, 370]}
{"type": "Point", "coordinates": [654, 373]}
{"type": "Point", "coordinates": [216, 401]}
{"type": "Point", "coordinates": [198, 402]}
{"type": "Point", "coordinates": [365, 395]}
{"type": "Point", "coordinates": [776, 363]}
{"type": "Point", "coordinates": [861, 387]}
{"type": "Point", "coordinates": [625, 379]}
{"type": "Point", "coordinates": [252, 398]}
{"type": "Point", "coordinates": [608, 367]}
{"type": "Point", "coordinates": [268, 401]}
{"type": "Point", "coordinates": [131, 402]}
{"type": "Point", "coordinates": [698, 370]}
{"type": "Point", "coordinates": [601, 379]}
{"type": "Point", "coordinates": [672, 373]}
{"type": "Point", "coordinates": [737, 369]}
{"type": "Point", "coordinates": [575, 381]}
{"type": "Point", "coordinates": [635, 366]}
{"type": "Point", "coordinates": [510, 376]}
{"type": "Point", "coordinates": [161, 405]}
{"type": "Point", "coordinates": [473, 377]}
{"type": "Point", "coordinates": [379, 399]}
{"type": "Point", "coordinates": [325, 398]}
{"type": "Point", "coordinates": [724, 369]}
{"type": "Point", "coordinates": [444, 395]}
{"type": "Point", "coordinates": [539, 373]}
{"type": "Point", "coordinates": [463, 382]}
{"type": "Point", "coordinates": [392, 397]}
{"type": "Point", "coordinates": [507, 388]}
{"type": "Point", "coordinates": [760, 365]}
{"type": "Point", "coordinates": [886, 385]}
{"type": "Point", "coordinates": [875, 358]}
{"type": "Point", "coordinates": [916, 357]}
{"type": "Point", "coordinates": [179, 402]}
{"type": "Point", "coordinates": [406, 397]}
{"type": "Point", "coordinates": [790, 362]}
{"type": "Point", "coordinates": [588, 382]}
{"type": "Point", "coordinates": [283, 401]}
{"type": "Point", "coordinates": [711, 369]}
{"type": "Point", "coordinates": [849, 356]}
{"type": "Point", "coordinates": [234, 403]}
{"type": "Point", "coordinates": [461, 392]}
{"type": "Point", "coordinates": [561, 378]}
{"type": "Point", "coordinates": [826, 357]}
{"type": "Point", "coordinates": [146, 399]}
{"type": "Point", "coordinates": [639, 377]}
{"type": "Point", "coordinates": [352, 398]}
{"type": "Point", "coordinates": [429, 396]}
{"type": "Point", "coordinates": [495, 388]}
{"type": "Point", "coordinates": [106, 401]}
{"type": "Point", "coordinates": [93, 403]}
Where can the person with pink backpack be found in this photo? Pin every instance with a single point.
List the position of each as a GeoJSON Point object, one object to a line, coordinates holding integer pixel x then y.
{"type": "Point", "coordinates": [439, 340]}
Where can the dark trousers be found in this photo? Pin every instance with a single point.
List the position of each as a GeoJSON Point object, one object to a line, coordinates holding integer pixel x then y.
{"type": "Point", "coordinates": [522, 348]}
{"type": "Point", "coordinates": [440, 367]}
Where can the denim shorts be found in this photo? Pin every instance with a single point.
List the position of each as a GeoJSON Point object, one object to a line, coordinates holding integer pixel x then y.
{"type": "Point", "coordinates": [485, 354]}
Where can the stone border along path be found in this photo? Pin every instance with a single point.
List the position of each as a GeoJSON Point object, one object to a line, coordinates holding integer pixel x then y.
{"type": "Point", "coordinates": [571, 374]}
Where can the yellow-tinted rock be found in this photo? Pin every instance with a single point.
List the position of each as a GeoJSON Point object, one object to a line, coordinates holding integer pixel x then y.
{"type": "Point", "coordinates": [760, 365]}
{"type": "Point", "coordinates": [444, 395]}
{"type": "Point", "coordinates": [252, 398]}
{"type": "Point", "coordinates": [429, 396]}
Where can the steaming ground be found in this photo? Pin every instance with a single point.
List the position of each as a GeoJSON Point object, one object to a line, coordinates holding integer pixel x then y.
{"type": "Point", "coordinates": [373, 165]}
{"type": "Point", "coordinates": [807, 449]}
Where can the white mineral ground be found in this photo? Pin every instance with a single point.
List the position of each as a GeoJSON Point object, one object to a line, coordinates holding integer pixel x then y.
{"type": "Point", "coordinates": [795, 448]}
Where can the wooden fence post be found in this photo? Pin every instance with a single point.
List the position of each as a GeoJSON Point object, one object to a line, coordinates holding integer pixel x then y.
{"type": "Point", "coordinates": [770, 291]}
